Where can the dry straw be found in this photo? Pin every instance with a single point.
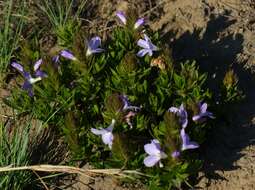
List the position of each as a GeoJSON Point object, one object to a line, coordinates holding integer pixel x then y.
{"type": "Point", "coordinates": [74, 170]}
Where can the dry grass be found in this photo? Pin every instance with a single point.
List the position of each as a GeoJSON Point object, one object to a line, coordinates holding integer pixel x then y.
{"type": "Point", "coordinates": [90, 173]}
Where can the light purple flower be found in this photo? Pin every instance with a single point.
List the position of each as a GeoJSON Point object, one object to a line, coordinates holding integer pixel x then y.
{"type": "Point", "coordinates": [106, 134]}
{"type": "Point", "coordinates": [127, 105]}
{"type": "Point", "coordinates": [202, 113]}
{"type": "Point", "coordinates": [186, 143]}
{"type": "Point", "coordinates": [139, 23]}
{"type": "Point", "coordinates": [121, 15]}
{"type": "Point", "coordinates": [37, 69]}
{"type": "Point", "coordinates": [147, 45]}
{"type": "Point", "coordinates": [93, 46]}
{"type": "Point", "coordinates": [66, 54]}
{"type": "Point", "coordinates": [29, 80]}
{"type": "Point", "coordinates": [181, 113]}
{"type": "Point", "coordinates": [18, 67]}
{"type": "Point", "coordinates": [155, 154]}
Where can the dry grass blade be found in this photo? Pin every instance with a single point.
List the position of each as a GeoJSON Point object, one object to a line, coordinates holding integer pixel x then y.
{"type": "Point", "coordinates": [43, 183]}
{"type": "Point", "coordinates": [74, 170]}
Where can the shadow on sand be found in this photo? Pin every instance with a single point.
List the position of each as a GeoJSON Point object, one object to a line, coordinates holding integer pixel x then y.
{"type": "Point", "coordinates": [216, 53]}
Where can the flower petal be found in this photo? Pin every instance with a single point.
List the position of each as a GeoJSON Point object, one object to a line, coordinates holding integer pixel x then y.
{"type": "Point", "coordinates": [28, 87]}
{"type": "Point", "coordinates": [98, 50]}
{"type": "Point", "coordinates": [153, 47]}
{"type": "Point", "coordinates": [151, 149]}
{"type": "Point", "coordinates": [196, 117]}
{"type": "Point", "coordinates": [37, 64]}
{"type": "Point", "coordinates": [203, 108]}
{"type": "Point", "coordinates": [151, 160]}
{"type": "Point", "coordinates": [68, 55]}
{"type": "Point", "coordinates": [142, 43]}
{"type": "Point", "coordinates": [142, 52]}
{"type": "Point", "coordinates": [121, 15]}
{"type": "Point", "coordinates": [191, 145]}
{"type": "Point", "coordinates": [55, 59]}
{"type": "Point", "coordinates": [150, 52]}
{"type": "Point", "coordinates": [184, 122]}
{"type": "Point", "coordinates": [40, 73]}
{"type": "Point", "coordinates": [184, 137]}
{"type": "Point", "coordinates": [156, 142]}
{"type": "Point", "coordinates": [173, 109]}
{"type": "Point", "coordinates": [183, 116]}
{"type": "Point", "coordinates": [17, 66]}
{"type": "Point", "coordinates": [94, 43]}
{"type": "Point", "coordinates": [27, 75]}
{"type": "Point", "coordinates": [186, 143]}
{"type": "Point", "coordinates": [139, 22]}
{"type": "Point", "coordinates": [98, 131]}
{"type": "Point", "coordinates": [209, 114]}
{"type": "Point", "coordinates": [107, 138]}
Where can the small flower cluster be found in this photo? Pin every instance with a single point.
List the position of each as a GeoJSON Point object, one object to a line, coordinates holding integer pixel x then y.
{"type": "Point", "coordinates": [29, 80]}
{"type": "Point", "coordinates": [93, 47]}
{"type": "Point", "coordinates": [131, 112]}
{"type": "Point", "coordinates": [121, 15]}
{"type": "Point", "coordinates": [153, 149]}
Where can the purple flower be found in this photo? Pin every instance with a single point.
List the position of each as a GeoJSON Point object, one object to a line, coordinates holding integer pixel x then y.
{"type": "Point", "coordinates": [155, 154]}
{"type": "Point", "coordinates": [66, 54]}
{"type": "Point", "coordinates": [121, 15]}
{"type": "Point", "coordinates": [29, 80]}
{"type": "Point", "coordinates": [127, 105]}
{"type": "Point", "coordinates": [181, 113]}
{"type": "Point", "coordinates": [147, 45]}
{"type": "Point", "coordinates": [37, 70]}
{"type": "Point", "coordinates": [106, 134]}
{"type": "Point", "coordinates": [93, 45]}
{"type": "Point", "coordinates": [186, 143]}
{"type": "Point", "coordinates": [18, 67]}
{"type": "Point", "coordinates": [202, 113]}
{"type": "Point", "coordinates": [139, 23]}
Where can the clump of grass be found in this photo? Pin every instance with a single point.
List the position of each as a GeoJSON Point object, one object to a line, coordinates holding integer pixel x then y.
{"type": "Point", "coordinates": [14, 151]}
{"type": "Point", "coordinates": [11, 26]}
{"type": "Point", "coordinates": [62, 18]}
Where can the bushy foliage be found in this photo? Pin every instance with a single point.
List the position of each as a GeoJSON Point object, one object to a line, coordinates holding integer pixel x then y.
{"type": "Point", "coordinates": [128, 84]}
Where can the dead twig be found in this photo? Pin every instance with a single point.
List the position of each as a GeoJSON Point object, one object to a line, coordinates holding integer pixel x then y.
{"type": "Point", "coordinates": [153, 8]}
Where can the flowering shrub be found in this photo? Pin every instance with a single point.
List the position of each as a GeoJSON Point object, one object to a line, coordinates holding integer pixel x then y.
{"type": "Point", "coordinates": [122, 102]}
